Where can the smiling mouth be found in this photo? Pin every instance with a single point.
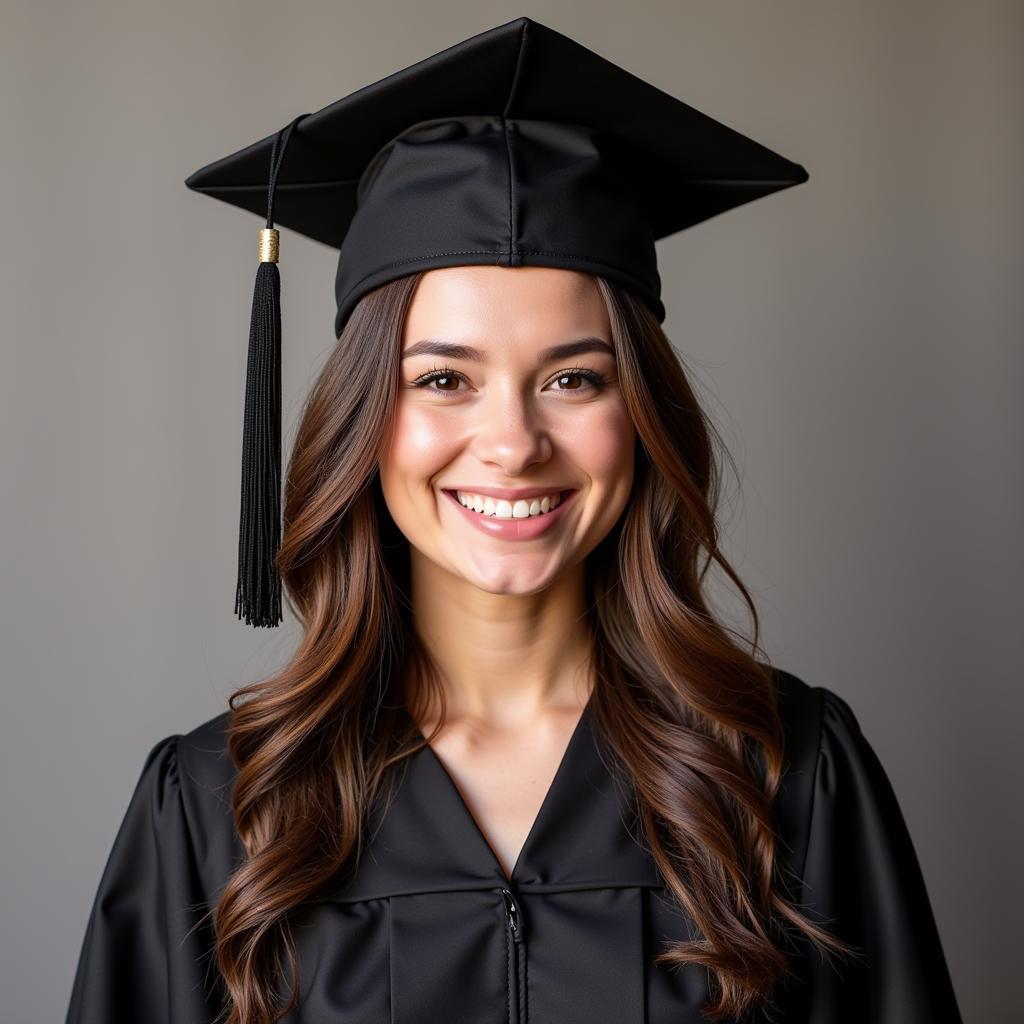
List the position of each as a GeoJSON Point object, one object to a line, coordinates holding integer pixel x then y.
{"type": "Point", "coordinates": [492, 512]}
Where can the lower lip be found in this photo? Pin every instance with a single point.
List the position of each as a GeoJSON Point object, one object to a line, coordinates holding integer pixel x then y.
{"type": "Point", "coordinates": [513, 529]}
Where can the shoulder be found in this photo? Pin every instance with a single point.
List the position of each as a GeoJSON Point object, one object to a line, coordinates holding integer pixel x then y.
{"type": "Point", "coordinates": [186, 785]}
{"type": "Point", "coordinates": [206, 775]}
{"type": "Point", "coordinates": [811, 716]}
{"type": "Point", "coordinates": [834, 788]}
{"type": "Point", "coordinates": [799, 707]}
{"type": "Point", "coordinates": [203, 755]}
{"type": "Point", "coordinates": [851, 866]}
{"type": "Point", "coordinates": [194, 759]}
{"type": "Point", "coordinates": [819, 728]}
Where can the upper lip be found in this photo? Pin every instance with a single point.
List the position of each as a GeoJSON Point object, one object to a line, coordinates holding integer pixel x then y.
{"type": "Point", "coordinates": [509, 493]}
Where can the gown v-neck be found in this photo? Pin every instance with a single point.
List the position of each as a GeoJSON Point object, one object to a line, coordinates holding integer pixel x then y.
{"type": "Point", "coordinates": [562, 768]}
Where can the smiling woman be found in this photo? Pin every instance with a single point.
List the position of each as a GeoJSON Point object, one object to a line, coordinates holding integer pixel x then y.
{"type": "Point", "coordinates": [512, 779]}
{"type": "Point", "coordinates": [516, 769]}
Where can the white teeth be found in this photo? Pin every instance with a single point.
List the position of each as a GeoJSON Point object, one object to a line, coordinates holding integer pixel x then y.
{"type": "Point", "coordinates": [502, 509]}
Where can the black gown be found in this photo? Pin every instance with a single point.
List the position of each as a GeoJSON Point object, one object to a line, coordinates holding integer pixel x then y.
{"type": "Point", "coordinates": [431, 931]}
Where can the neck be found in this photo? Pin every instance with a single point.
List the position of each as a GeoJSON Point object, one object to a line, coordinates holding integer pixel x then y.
{"type": "Point", "coordinates": [502, 658]}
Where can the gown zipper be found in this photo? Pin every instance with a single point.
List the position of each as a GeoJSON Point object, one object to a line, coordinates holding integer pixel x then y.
{"type": "Point", "coordinates": [517, 958]}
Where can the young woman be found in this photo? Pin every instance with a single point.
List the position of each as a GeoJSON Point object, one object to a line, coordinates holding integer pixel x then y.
{"type": "Point", "coordinates": [516, 770]}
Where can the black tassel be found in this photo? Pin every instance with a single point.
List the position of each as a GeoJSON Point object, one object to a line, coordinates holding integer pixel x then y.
{"type": "Point", "coordinates": [258, 594]}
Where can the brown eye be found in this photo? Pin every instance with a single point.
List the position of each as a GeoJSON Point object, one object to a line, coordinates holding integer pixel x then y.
{"type": "Point", "coordinates": [592, 379]}
{"type": "Point", "coordinates": [443, 380]}
{"type": "Point", "coordinates": [441, 376]}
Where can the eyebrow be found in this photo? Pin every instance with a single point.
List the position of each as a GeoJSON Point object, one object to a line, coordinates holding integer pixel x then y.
{"type": "Point", "coordinates": [439, 347]}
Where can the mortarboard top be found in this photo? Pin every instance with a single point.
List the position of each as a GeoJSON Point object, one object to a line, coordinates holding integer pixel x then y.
{"type": "Point", "coordinates": [517, 146]}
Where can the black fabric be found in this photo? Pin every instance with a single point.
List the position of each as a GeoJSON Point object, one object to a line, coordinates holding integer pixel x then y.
{"type": "Point", "coordinates": [422, 933]}
{"type": "Point", "coordinates": [517, 146]}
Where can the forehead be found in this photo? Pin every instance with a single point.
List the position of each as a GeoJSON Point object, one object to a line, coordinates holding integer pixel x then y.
{"type": "Point", "coordinates": [492, 305]}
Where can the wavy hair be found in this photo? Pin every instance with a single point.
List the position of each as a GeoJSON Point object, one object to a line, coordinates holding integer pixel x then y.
{"type": "Point", "coordinates": [688, 710]}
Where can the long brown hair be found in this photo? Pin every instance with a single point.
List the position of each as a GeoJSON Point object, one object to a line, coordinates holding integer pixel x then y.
{"type": "Point", "coordinates": [689, 713]}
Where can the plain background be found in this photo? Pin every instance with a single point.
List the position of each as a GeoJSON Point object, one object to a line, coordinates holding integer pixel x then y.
{"type": "Point", "coordinates": [857, 340]}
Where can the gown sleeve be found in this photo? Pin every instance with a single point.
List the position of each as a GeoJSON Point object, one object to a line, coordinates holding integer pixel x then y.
{"type": "Point", "coordinates": [863, 881]}
{"type": "Point", "coordinates": [145, 952]}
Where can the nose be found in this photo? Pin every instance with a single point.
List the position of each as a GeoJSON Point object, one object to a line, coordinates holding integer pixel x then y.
{"type": "Point", "coordinates": [511, 433]}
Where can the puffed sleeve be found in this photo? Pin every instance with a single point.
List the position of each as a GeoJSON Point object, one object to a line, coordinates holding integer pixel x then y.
{"type": "Point", "coordinates": [862, 879]}
{"type": "Point", "coordinates": [145, 954]}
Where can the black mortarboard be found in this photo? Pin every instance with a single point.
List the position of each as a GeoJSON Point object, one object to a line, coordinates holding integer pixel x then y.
{"type": "Point", "coordinates": [515, 147]}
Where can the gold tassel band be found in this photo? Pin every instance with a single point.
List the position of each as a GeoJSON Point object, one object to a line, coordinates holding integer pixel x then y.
{"type": "Point", "coordinates": [268, 245]}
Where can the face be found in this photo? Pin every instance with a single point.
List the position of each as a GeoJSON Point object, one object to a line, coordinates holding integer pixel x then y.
{"type": "Point", "coordinates": [537, 442]}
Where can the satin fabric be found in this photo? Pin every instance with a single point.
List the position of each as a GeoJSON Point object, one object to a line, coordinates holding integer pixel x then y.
{"type": "Point", "coordinates": [517, 146]}
{"type": "Point", "coordinates": [429, 930]}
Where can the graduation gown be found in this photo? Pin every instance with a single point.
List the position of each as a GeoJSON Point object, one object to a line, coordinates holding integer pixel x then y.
{"type": "Point", "coordinates": [429, 930]}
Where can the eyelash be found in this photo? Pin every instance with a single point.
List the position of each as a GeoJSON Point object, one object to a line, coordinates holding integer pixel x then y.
{"type": "Point", "coordinates": [591, 376]}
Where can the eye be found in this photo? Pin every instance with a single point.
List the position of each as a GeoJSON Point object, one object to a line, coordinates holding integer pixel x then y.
{"type": "Point", "coordinates": [439, 374]}
{"type": "Point", "coordinates": [447, 376]}
{"type": "Point", "coordinates": [594, 380]}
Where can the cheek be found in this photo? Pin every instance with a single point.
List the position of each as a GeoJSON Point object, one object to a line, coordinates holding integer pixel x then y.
{"type": "Point", "coordinates": [602, 444]}
{"type": "Point", "coordinates": [419, 443]}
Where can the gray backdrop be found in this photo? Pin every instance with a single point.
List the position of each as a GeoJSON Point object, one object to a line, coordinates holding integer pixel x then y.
{"type": "Point", "coordinates": [857, 339]}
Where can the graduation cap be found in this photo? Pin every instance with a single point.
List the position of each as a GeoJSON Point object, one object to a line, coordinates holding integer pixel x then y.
{"type": "Point", "coordinates": [515, 147]}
